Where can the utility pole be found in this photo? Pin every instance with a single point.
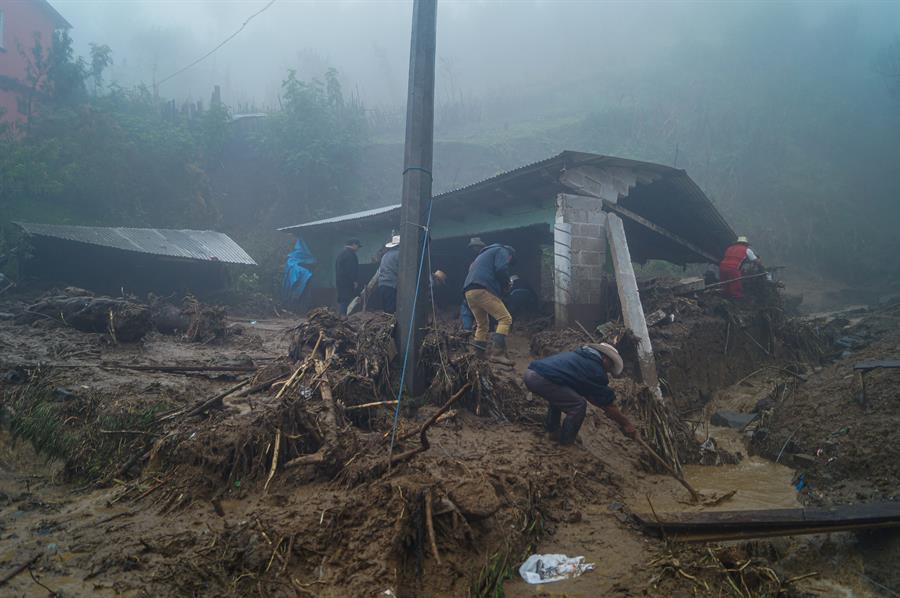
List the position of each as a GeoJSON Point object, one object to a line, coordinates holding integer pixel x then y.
{"type": "Point", "coordinates": [417, 161]}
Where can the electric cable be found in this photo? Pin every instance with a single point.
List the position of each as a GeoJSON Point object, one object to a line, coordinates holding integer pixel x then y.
{"type": "Point", "coordinates": [227, 39]}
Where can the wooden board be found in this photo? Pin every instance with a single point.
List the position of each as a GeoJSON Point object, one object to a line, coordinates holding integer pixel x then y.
{"type": "Point", "coordinates": [609, 206]}
{"type": "Point", "coordinates": [771, 522]}
{"type": "Point", "coordinates": [874, 364]}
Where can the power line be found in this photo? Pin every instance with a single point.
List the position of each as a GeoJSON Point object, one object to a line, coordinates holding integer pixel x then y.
{"type": "Point", "coordinates": [227, 39]}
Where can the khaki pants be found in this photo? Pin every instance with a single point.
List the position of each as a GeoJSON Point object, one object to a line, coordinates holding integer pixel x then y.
{"type": "Point", "coordinates": [484, 303]}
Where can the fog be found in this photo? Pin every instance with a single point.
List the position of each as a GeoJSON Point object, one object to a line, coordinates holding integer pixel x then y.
{"type": "Point", "coordinates": [485, 48]}
{"type": "Point", "coordinates": [786, 113]}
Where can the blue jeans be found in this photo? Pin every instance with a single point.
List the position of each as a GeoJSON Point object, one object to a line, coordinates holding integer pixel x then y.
{"type": "Point", "coordinates": [467, 317]}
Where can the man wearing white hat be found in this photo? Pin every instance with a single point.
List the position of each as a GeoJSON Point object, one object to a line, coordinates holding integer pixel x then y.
{"type": "Point", "coordinates": [569, 381]}
{"type": "Point", "coordinates": [389, 274]}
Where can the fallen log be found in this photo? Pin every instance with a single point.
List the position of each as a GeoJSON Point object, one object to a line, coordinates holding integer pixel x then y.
{"type": "Point", "coordinates": [124, 320]}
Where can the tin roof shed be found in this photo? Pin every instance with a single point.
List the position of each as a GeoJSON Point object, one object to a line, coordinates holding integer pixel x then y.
{"type": "Point", "coordinates": [201, 245]}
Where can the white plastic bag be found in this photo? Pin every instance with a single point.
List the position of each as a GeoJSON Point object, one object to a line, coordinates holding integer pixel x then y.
{"type": "Point", "coordinates": [546, 568]}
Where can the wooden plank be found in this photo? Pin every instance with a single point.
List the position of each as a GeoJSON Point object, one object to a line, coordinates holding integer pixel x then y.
{"type": "Point", "coordinates": [637, 218]}
{"type": "Point", "coordinates": [724, 536]}
{"type": "Point", "coordinates": [774, 520]}
{"type": "Point", "coordinates": [874, 364]}
{"type": "Point", "coordinates": [632, 311]}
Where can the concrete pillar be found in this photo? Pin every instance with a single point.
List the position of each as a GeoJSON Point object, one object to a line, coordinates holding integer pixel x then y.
{"type": "Point", "coordinates": [630, 299]}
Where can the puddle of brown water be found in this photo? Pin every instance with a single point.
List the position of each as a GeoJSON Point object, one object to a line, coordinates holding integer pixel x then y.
{"type": "Point", "coordinates": [760, 483]}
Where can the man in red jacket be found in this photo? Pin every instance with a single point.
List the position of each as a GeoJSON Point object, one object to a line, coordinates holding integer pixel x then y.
{"type": "Point", "coordinates": [730, 268]}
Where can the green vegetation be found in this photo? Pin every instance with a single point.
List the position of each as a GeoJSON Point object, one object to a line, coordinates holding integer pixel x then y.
{"type": "Point", "coordinates": [104, 158]}
{"type": "Point", "coordinates": [93, 436]}
{"type": "Point", "coordinates": [96, 154]}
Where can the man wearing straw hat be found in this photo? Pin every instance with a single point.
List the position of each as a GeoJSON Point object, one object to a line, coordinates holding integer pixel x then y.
{"type": "Point", "coordinates": [569, 381]}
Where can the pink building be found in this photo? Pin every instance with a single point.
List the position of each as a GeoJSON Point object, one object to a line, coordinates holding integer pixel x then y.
{"type": "Point", "coordinates": [20, 21]}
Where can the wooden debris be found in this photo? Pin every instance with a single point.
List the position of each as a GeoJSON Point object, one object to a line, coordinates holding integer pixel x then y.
{"type": "Point", "coordinates": [204, 405]}
{"type": "Point", "coordinates": [429, 524]}
{"type": "Point", "coordinates": [370, 405]}
{"type": "Point", "coordinates": [274, 466]}
{"type": "Point", "coordinates": [18, 569]}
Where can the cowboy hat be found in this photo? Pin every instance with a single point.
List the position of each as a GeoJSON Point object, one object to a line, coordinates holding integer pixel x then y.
{"type": "Point", "coordinates": [743, 239]}
{"type": "Point", "coordinates": [395, 240]}
{"type": "Point", "coordinates": [613, 355]}
{"type": "Point", "coordinates": [476, 242]}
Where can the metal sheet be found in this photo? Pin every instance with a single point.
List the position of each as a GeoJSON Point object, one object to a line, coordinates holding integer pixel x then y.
{"type": "Point", "coordinates": [664, 195]}
{"type": "Point", "coordinates": [202, 245]}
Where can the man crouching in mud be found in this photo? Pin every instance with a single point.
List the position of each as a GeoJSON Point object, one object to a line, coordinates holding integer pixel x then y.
{"type": "Point", "coordinates": [568, 381]}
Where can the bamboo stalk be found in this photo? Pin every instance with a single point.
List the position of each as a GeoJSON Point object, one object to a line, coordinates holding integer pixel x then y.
{"type": "Point", "coordinates": [368, 405]}
{"type": "Point", "coordinates": [274, 461]}
{"type": "Point", "coordinates": [429, 523]}
{"type": "Point", "coordinates": [695, 496]}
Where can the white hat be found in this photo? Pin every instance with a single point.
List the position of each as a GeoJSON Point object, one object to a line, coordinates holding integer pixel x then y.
{"type": "Point", "coordinates": [610, 351]}
{"type": "Point", "coordinates": [743, 239]}
{"type": "Point", "coordinates": [395, 240]}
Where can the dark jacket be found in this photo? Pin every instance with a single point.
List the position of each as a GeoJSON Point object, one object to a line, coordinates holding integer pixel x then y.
{"type": "Point", "coordinates": [389, 270]}
{"type": "Point", "coordinates": [490, 270]}
{"type": "Point", "coordinates": [581, 370]}
{"type": "Point", "coordinates": [346, 274]}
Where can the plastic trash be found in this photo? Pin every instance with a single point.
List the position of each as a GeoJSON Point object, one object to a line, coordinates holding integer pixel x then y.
{"type": "Point", "coordinates": [546, 568]}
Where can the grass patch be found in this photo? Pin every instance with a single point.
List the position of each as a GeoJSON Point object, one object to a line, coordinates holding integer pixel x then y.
{"type": "Point", "coordinates": [92, 435]}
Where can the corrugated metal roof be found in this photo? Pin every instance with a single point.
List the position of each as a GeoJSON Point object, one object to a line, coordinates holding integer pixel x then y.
{"type": "Point", "coordinates": [345, 217]}
{"type": "Point", "coordinates": [553, 166]}
{"type": "Point", "coordinates": [683, 204]}
{"type": "Point", "coordinates": [203, 245]}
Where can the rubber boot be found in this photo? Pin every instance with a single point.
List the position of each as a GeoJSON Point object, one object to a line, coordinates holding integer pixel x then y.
{"type": "Point", "coordinates": [479, 348]}
{"type": "Point", "coordinates": [499, 353]}
{"type": "Point", "coordinates": [551, 423]}
{"type": "Point", "coordinates": [569, 431]}
{"type": "Point", "coordinates": [572, 423]}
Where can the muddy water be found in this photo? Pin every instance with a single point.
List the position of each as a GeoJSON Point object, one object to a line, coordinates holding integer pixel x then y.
{"type": "Point", "coordinates": [760, 483]}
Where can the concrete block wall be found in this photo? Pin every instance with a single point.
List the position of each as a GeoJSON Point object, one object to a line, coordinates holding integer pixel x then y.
{"type": "Point", "coordinates": [580, 256]}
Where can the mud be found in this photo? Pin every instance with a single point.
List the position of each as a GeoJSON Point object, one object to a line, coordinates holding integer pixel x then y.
{"type": "Point", "coordinates": [282, 487]}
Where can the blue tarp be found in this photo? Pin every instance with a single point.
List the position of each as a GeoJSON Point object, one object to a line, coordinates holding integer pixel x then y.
{"type": "Point", "coordinates": [296, 270]}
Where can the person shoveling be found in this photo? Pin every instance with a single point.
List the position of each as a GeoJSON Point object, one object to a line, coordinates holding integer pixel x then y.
{"type": "Point", "coordinates": [570, 380]}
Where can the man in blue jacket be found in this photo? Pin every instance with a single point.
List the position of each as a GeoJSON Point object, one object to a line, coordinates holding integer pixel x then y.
{"type": "Point", "coordinates": [487, 281]}
{"type": "Point", "coordinates": [569, 381]}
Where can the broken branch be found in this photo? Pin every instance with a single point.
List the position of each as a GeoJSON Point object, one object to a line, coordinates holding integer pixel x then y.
{"type": "Point", "coordinates": [429, 523]}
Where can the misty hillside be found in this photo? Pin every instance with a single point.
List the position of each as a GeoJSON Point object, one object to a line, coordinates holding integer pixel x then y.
{"type": "Point", "coordinates": [787, 116]}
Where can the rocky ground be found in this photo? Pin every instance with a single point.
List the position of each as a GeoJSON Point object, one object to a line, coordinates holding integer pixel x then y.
{"type": "Point", "coordinates": [117, 478]}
